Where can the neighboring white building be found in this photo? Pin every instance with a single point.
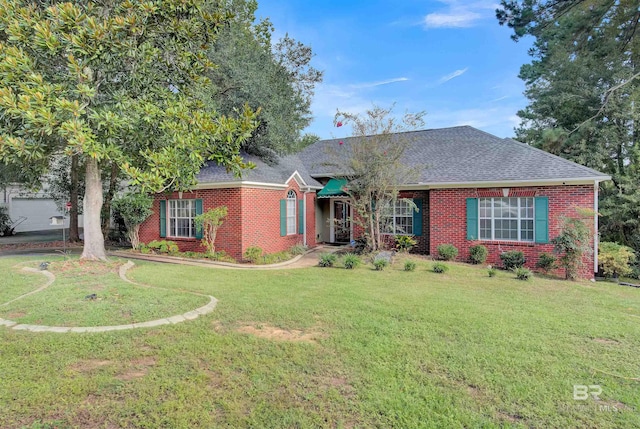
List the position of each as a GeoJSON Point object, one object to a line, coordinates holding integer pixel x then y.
{"type": "Point", "coordinates": [35, 207]}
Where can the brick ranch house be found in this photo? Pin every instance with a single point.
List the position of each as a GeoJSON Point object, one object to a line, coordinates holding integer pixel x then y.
{"type": "Point", "coordinates": [475, 188]}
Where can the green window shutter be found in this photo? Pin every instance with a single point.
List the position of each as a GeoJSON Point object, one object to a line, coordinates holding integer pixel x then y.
{"type": "Point", "coordinates": [417, 217]}
{"type": "Point", "coordinates": [300, 216]}
{"type": "Point", "coordinates": [163, 218]}
{"type": "Point", "coordinates": [542, 219]}
{"type": "Point", "coordinates": [283, 218]}
{"type": "Point", "coordinates": [198, 212]}
{"type": "Point", "coordinates": [472, 219]}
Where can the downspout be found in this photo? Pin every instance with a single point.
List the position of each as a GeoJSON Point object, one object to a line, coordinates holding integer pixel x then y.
{"type": "Point", "coordinates": [304, 218]}
{"type": "Point", "coordinates": [596, 236]}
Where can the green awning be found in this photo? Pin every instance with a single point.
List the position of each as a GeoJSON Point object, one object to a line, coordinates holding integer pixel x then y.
{"type": "Point", "coordinates": [333, 188]}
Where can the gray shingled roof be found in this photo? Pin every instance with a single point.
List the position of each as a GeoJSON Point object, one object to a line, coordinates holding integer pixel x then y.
{"type": "Point", "coordinates": [461, 155]}
{"type": "Point", "coordinates": [274, 173]}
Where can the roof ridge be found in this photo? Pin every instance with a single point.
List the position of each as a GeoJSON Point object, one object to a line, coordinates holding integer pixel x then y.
{"type": "Point", "coordinates": [550, 155]}
{"type": "Point", "coordinates": [402, 132]}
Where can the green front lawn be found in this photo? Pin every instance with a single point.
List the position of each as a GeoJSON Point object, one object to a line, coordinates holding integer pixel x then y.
{"type": "Point", "coordinates": [328, 347]}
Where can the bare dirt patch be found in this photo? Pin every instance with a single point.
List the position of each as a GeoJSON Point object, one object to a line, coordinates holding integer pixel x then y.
{"type": "Point", "coordinates": [606, 341]}
{"type": "Point", "coordinates": [85, 268]}
{"type": "Point", "coordinates": [139, 368]}
{"type": "Point", "coordinates": [16, 315]}
{"type": "Point", "coordinates": [511, 418]}
{"type": "Point", "coordinates": [276, 334]}
{"type": "Point", "coordinates": [88, 365]}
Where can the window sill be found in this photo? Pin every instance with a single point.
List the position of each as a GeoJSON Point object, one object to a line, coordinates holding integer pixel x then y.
{"type": "Point", "coordinates": [508, 243]}
{"type": "Point", "coordinates": [181, 238]}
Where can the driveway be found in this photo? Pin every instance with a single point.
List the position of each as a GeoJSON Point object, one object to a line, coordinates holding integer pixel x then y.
{"type": "Point", "coordinates": [33, 237]}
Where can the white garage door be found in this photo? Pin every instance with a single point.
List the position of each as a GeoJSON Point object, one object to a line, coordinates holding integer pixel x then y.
{"type": "Point", "coordinates": [36, 210]}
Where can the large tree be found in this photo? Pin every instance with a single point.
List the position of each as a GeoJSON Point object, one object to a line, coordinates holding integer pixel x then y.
{"type": "Point", "coordinates": [374, 166]}
{"type": "Point", "coordinates": [113, 81]}
{"type": "Point", "coordinates": [583, 86]}
{"type": "Point", "coordinates": [277, 78]}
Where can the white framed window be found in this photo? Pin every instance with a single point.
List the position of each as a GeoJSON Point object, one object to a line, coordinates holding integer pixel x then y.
{"type": "Point", "coordinates": [397, 218]}
{"type": "Point", "coordinates": [510, 219]}
{"type": "Point", "coordinates": [181, 218]}
{"type": "Point", "coordinates": [291, 212]}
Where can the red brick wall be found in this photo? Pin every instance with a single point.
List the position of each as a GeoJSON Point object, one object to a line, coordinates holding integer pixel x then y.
{"type": "Point", "coordinates": [448, 220]}
{"type": "Point", "coordinates": [253, 219]}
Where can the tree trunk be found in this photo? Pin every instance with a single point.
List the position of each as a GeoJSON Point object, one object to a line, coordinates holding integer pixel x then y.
{"type": "Point", "coordinates": [106, 209]}
{"type": "Point", "coordinates": [74, 233]}
{"type": "Point", "coordinates": [93, 238]}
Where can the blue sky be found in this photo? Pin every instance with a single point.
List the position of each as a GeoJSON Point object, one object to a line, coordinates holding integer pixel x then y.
{"type": "Point", "coordinates": [449, 58]}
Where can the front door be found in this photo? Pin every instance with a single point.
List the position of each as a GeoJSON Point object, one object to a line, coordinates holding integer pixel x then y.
{"type": "Point", "coordinates": [341, 222]}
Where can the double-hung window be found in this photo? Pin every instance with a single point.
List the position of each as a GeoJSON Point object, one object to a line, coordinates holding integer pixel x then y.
{"type": "Point", "coordinates": [291, 212]}
{"type": "Point", "coordinates": [397, 218]}
{"type": "Point", "coordinates": [181, 218]}
{"type": "Point", "coordinates": [509, 219]}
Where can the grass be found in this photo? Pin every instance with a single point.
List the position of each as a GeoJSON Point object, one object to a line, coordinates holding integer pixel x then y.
{"type": "Point", "coordinates": [65, 303]}
{"type": "Point", "coordinates": [328, 347]}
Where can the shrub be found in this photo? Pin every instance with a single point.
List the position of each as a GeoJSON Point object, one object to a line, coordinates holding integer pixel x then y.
{"type": "Point", "coordinates": [447, 252]}
{"type": "Point", "coordinates": [571, 244]}
{"type": "Point", "coordinates": [491, 271]}
{"type": "Point", "coordinates": [327, 259]}
{"type": "Point", "coordinates": [546, 262]}
{"type": "Point", "coordinates": [615, 259]}
{"type": "Point", "coordinates": [439, 268]}
{"type": "Point", "coordinates": [512, 259]}
{"type": "Point", "coordinates": [523, 273]}
{"type": "Point", "coordinates": [220, 256]}
{"type": "Point", "coordinates": [5, 221]}
{"type": "Point", "coordinates": [405, 243]}
{"type": "Point", "coordinates": [274, 258]}
{"type": "Point", "coordinates": [478, 254]}
{"type": "Point", "coordinates": [351, 261]}
{"type": "Point", "coordinates": [208, 223]}
{"type": "Point", "coordinates": [380, 264]}
{"type": "Point", "coordinates": [163, 246]}
{"type": "Point", "coordinates": [298, 249]}
{"type": "Point", "coordinates": [134, 208]}
{"type": "Point", "coordinates": [253, 254]}
{"type": "Point", "coordinates": [409, 266]}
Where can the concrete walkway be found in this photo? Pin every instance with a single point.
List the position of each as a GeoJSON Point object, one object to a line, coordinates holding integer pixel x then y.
{"type": "Point", "coordinates": [190, 315]}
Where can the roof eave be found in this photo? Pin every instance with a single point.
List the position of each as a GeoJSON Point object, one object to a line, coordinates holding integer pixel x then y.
{"type": "Point", "coordinates": [508, 183]}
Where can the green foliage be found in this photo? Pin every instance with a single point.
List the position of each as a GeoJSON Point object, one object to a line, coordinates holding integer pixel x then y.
{"type": "Point", "coordinates": [439, 267]}
{"type": "Point", "coordinates": [404, 243]}
{"type": "Point", "coordinates": [160, 246]}
{"type": "Point", "coordinates": [512, 259]}
{"type": "Point", "coordinates": [253, 254]}
{"type": "Point", "coordinates": [134, 208]}
{"type": "Point", "coordinates": [118, 82]}
{"type": "Point", "coordinates": [491, 271]}
{"type": "Point", "coordinates": [298, 249]}
{"type": "Point", "coordinates": [409, 265]}
{"type": "Point", "coordinates": [380, 264]}
{"type": "Point", "coordinates": [478, 254]}
{"type": "Point", "coordinates": [274, 258]}
{"type": "Point", "coordinates": [583, 88]}
{"type": "Point", "coordinates": [447, 252]}
{"type": "Point", "coordinates": [571, 245]}
{"type": "Point", "coordinates": [277, 78]}
{"type": "Point", "coordinates": [523, 273]}
{"type": "Point", "coordinates": [547, 262]}
{"type": "Point", "coordinates": [351, 261]}
{"type": "Point", "coordinates": [5, 221]}
{"type": "Point", "coordinates": [615, 259]}
{"type": "Point", "coordinates": [210, 221]}
{"type": "Point", "coordinates": [327, 259]}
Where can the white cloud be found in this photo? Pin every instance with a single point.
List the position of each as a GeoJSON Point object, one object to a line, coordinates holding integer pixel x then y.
{"type": "Point", "coordinates": [379, 83]}
{"type": "Point", "coordinates": [452, 75]}
{"type": "Point", "coordinates": [460, 14]}
{"type": "Point", "coordinates": [456, 19]}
